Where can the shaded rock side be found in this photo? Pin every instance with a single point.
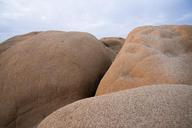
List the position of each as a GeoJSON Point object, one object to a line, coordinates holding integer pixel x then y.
{"type": "Point", "coordinates": [113, 45]}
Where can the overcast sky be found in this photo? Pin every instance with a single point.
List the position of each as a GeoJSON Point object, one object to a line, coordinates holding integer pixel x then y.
{"type": "Point", "coordinates": [99, 17]}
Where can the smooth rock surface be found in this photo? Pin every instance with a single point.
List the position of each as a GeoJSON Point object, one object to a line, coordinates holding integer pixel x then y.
{"type": "Point", "coordinates": [14, 40]}
{"type": "Point", "coordinates": [151, 55]}
{"type": "Point", "coordinates": [157, 106]}
{"type": "Point", "coordinates": [46, 72]}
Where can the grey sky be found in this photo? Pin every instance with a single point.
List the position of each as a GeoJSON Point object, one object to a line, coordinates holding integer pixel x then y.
{"type": "Point", "coordinates": [99, 17]}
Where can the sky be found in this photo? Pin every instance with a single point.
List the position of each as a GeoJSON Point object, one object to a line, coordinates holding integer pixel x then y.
{"type": "Point", "coordinates": [100, 17]}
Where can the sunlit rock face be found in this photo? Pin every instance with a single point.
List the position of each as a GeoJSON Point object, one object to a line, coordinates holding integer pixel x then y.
{"type": "Point", "coordinates": [157, 106]}
{"type": "Point", "coordinates": [114, 44]}
{"type": "Point", "coordinates": [151, 55]}
{"type": "Point", "coordinates": [47, 71]}
{"type": "Point", "coordinates": [14, 40]}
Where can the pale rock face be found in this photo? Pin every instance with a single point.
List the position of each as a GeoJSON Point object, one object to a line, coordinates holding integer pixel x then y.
{"type": "Point", "coordinates": [114, 45]}
{"type": "Point", "coordinates": [151, 55]}
{"type": "Point", "coordinates": [46, 72]}
{"type": "Point", "coordinates": [155, 106]}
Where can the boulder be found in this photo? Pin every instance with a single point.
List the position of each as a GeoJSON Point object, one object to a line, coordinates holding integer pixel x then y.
{"type": "Point", "coordinates": [155, 106]}
{"type": "Point", "coordinates": [113, 44]}
{"type": "Point", "coordinates": [46, 72]}
{"type": "Point", "coordinates": [151, 55]}
{"type": "Point", "coordinates": [14, 40]}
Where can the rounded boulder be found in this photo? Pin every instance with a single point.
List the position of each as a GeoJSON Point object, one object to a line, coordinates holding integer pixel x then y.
{"type": "Point", "coordinates": [151, 55]}
{"type": "Point", "coordinates": [46, 72]}
{"type": "Point", "coordinates": [156, 106]}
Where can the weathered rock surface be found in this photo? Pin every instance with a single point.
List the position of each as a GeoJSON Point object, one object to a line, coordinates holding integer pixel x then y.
{"type": "Point", "coordinates": [114, 44]}
{"type": "Point", "coordinates": [157, 106]}
{"type": "Point", "coordinates": [14, 40]}
{"type": "Point", "coordinates": [46, 72]}
{"type": "Point", "coordinates": [151, 55]}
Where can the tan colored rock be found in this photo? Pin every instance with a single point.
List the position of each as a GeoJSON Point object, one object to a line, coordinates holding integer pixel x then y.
{"type": "Point", "coordinates": [158, 106]}
{"type": "Point", "coordinates": [113, 44]}
{"type": "Point", "coordinates": [46, 72]}
{"type": "Point", "coordinates": [14, 40]}
{"type": "Point", "coordinates": [151, 55]}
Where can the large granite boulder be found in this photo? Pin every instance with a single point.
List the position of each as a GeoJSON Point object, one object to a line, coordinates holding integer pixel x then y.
{"type": "Point", "coordinates": [46, 72]}
{"type": "Point", "coordinates": [14, 40]}
{"type": "Point", "coordinates": [151, 55]}
{"type": "Point", "coordinates": [157, 106]}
